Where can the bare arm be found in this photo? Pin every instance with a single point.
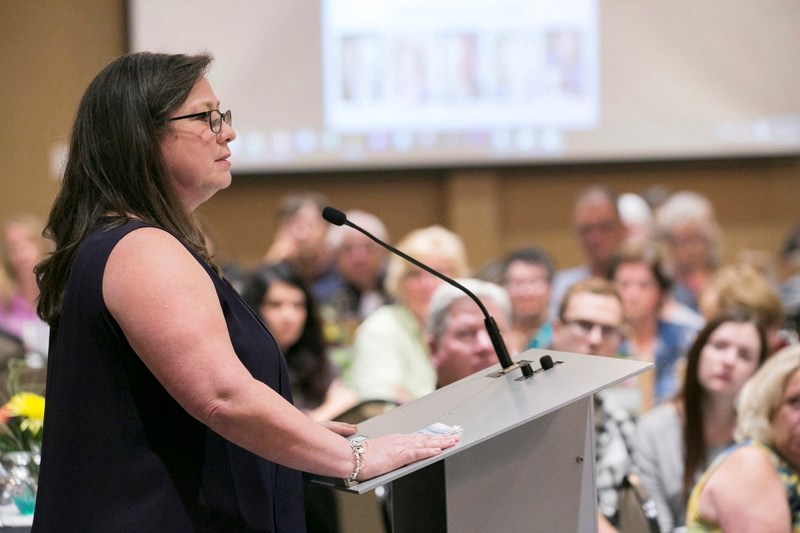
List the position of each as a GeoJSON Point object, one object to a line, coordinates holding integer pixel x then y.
{"type": "Point", "coordinates": [745, 494]}
{"type": "Point", "coordinates": [168, 308]}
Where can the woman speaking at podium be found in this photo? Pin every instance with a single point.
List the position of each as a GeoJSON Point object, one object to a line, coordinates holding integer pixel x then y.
{"type": "Point", "coordinates": [168, 405]}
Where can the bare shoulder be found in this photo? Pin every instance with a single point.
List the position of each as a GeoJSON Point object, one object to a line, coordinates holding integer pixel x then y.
{"type": "Point", "coordinates": [151, 278]}
{"type": "Point", "coordinates": [750, 457]}
{"type": "Point", "coordinates": [748, 465]}
{"type": "Point", "coordinates": [148, 248]}
{"type": "Point", "coordinates": [743, 488]}
{"type": "Point", "coordinates": [148, 257]}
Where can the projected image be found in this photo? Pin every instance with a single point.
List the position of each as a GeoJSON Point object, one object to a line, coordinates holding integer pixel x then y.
{"type": "Point", "coordinates": [361, 65]}
{"type": "Point", "coordinates": [493, 66]}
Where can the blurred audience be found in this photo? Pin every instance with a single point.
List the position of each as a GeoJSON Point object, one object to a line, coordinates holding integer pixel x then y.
{"type": "Point", "coordinates": [676, 441]}
{"type": "Point", "coordinates": [589, 321]}
{"type": "Point", "coordinates": [460, 344]}
{"type": "Point", "coordinates": [287, 307]}
{"type": "Point", "coordinates": [360, 267]}
{"type": "Point", "coordinates": [300, 241]}
{"type": "Point", "coordinates": [600, 232]}
{"type": "Point", "coordinates": [23, 247]}
{"type": "Point", "coordinates": [637, 219]}
{"type": "Point", "coordinates": [742, 286]}
{"type": "Point", "coordinates": [527, 275]}
{"type": "Point", "coordinates": [638, 274]}
{"type": "Point", "coordinates": [391, 356]}
{"type": "Point", "coordinates": [687, 226]}
{"type": "Point", "coordinates": [754, 486]}
{"type": "Point", "coordinates": [789, 279]}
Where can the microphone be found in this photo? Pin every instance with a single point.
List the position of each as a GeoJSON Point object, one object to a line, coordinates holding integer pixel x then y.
{"type": "Point", "coordinates": [337, 218]}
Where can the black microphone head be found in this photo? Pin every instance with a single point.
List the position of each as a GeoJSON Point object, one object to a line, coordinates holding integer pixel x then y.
{"type": "Point", "coordinates": [547, 362]}
{"type": "Point", "coordinates": [334, 216]}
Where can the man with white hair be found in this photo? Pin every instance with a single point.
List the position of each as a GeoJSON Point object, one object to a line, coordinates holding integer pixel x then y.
{"type": "Point", "coordinates": [460, 345]}
{"type": "Point", "coordinates": [360, 263]}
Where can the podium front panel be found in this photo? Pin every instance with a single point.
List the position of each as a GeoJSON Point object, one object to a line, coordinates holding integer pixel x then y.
{"type": "Point", "coordinates": [538, 477]}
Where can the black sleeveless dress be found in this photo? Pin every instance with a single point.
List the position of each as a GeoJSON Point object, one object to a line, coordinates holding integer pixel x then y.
{"type": "Point", "coordinates": [119, 454]}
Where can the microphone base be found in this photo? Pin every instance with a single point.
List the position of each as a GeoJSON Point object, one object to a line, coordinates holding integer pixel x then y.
{"type": "Point", "coordinates": [521, 364]}
{"type": "Point", "coordinates": [524, 366]}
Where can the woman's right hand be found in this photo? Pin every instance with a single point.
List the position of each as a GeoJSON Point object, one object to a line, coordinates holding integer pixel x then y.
{"type": "Point", "coordinates": [384, 454]}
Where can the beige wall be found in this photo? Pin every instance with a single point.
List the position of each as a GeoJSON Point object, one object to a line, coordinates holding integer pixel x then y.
{"type": "Point", "coordinates": [51, 50]}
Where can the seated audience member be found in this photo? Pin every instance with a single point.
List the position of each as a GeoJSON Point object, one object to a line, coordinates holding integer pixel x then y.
{"type": "Point", "coordinates": [300, 241]}
{"type": "Point", "coordinates": [360, 265]}
{"type": "Point", "coordinates": [287, 307]}
{"type": "Point", "coordinates": [743, 286]}
{"type": "Point", "coordinates": [676, 441]}
{"type": "Point", "coordinates": [789, 279]}
{"type": "Point", "coordinates": [754, 486]}
{"type": "Point", "coordinates": [600, 233]}
{"type": "Point", "coordinates": [23, 247]}
{"type": "Point", "coordinates": [687, 227]}
{"type": "Point", "coordinates": [6, 292]}
{"type": "Point", "coordinates": [528, 276]}
{"type": "Point", "coordinates": [460, 344]}
{"type": "Point", "coordinates": [637, 219]}
{"type": "Point", "coordinates": [639, 277]}
{"type": "Point", "coordinates": [289, 311]}
{"type": "Point", "coordinates": [589, 322]}
{"type": "Point", "coordinates": [391, 356]}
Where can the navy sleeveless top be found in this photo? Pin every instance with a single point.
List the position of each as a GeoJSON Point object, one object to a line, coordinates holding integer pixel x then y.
{"type": "Point", "coordinates": [120, 454]}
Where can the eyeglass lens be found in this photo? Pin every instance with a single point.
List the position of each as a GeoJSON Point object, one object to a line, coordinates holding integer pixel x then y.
{"type": "Point", "coordinates": [586, 326]}
{"type": "Point", "coordinates": [216, 118]}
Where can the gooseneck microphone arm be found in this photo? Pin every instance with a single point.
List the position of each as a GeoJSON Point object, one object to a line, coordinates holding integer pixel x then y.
{"type": "Point", "coordinates": [337, 218]}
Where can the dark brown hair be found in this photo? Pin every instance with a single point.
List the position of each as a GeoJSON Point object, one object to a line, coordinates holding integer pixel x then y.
{"type": "Point", "coordinates": [310, 371]}
{"type": "Point", "coordinates": [115, 165]}
{"type": "Point", "coordinates": [692, 394]}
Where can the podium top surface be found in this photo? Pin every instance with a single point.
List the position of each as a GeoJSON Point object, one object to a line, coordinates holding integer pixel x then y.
{"type": "Point", "coordinates": [486, 406]}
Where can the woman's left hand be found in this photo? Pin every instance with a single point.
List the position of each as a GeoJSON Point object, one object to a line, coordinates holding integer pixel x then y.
{"type": "Point", "coordinates": [340, 428]}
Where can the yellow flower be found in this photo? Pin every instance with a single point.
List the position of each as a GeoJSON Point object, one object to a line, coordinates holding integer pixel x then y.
{"type": "Point", "coordinates": [30, 407]}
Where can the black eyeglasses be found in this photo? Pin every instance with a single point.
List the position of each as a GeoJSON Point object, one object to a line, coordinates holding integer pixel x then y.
{"type": "Point", "coordinates": [585, 327]}
{"type": "Point", "coordinates": [215, 118]}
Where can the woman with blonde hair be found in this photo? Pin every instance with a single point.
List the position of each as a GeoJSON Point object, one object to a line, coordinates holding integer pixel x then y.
{"type": "Point", "coordinates": [687, 226]}
{"type": "Point", "coordinates": [743, 286]}
{"type": "Point", "coordinates": [391, 356]}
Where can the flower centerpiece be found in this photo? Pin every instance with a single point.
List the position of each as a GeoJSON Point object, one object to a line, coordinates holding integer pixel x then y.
{"type": "Point", "coordinates": [21, 421]}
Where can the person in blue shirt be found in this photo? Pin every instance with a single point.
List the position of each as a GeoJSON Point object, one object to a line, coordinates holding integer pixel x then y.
{"type": "Point", "coordinates": [643, 285]}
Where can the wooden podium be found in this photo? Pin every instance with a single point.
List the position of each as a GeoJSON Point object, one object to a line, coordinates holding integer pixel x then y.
{"type": "Point", "coordinates": [525, 461]}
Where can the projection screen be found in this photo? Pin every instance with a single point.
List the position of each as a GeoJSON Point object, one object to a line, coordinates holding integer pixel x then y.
{"type": "Point", "coordinates": [357, 84]}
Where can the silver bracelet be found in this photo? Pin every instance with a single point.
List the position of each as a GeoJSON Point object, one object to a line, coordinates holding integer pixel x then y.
{"type": "Point", "coordinates": [358, 460]}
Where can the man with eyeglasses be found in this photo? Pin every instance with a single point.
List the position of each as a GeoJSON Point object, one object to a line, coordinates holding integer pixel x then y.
{"type": "Point", "coordinates": [590, 321]}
